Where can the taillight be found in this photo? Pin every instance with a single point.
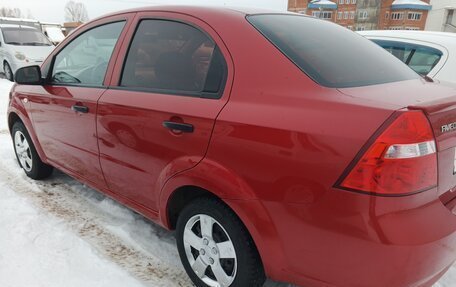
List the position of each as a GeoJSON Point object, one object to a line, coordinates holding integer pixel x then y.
{"type": "Point", "coordinates": [402, 160]}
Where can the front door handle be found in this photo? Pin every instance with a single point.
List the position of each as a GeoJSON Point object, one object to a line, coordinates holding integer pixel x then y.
{"type": "Point", "coordinates": [80, 109]}
{"type": "Point", "coordinates": [173, 126]}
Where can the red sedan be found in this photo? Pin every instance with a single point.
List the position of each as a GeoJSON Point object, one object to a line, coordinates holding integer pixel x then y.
{"type": "Point", "coordinates": [276, 145]}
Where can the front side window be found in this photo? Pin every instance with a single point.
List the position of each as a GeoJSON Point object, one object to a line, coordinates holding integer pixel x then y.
{"type": "Point", "coordinates": [24, 37]}
{"type": "Point", "coordinates": [84, 61]}
{"type": "Point", "coordinates": [173, 57]}
{"type": "Point", "coordinates": [420, 58]}
{"type": "Point", "coordinates": [326, 51]}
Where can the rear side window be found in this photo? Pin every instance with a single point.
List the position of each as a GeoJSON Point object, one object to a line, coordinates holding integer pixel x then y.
{"type": "Point", "coordinates": [421, 59]}
{"type": "Point", "coordinates": [173, 57]}
{"type": "Point", "coordinates": [331, 55]}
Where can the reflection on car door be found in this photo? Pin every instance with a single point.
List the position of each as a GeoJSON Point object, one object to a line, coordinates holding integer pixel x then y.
{"type": "Point", "coordinates": [159, 120]}
{"type": "Point", "coordinates": [64, 110]}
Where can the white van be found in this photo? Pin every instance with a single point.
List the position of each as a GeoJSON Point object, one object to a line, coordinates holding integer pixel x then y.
{"type": "Point", "coordinates": [21, 46]}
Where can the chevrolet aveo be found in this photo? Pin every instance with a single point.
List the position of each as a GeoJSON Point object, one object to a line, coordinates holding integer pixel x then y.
{"type": "Point", "coordinates": [276, 145]}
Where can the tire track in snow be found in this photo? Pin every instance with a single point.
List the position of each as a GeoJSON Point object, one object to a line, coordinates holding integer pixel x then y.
{"type": "Point", "coordinates": [60, 200]}
{"type": "Point", "coordinates": [80, 208]}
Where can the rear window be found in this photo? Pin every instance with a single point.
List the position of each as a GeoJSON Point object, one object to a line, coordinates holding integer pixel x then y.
{"type": "Point", "coordinates": [421, 59]}
{"type": "Point", "coordinates": [330, 54]}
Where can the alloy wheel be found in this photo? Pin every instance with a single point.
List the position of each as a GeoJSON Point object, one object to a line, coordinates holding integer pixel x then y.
{"type": "Point", "coordinates": [23, 152]}
{"type": "Point", "coordinates": [210, 251]}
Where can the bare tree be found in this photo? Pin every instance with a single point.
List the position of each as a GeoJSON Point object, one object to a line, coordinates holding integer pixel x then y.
{"type": "Point", "coordinates": [76, 12]}
{"type": "Point", "coordinates": [11, 12]}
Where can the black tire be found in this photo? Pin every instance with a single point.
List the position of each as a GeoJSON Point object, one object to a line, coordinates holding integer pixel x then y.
{"type": "Point", "coordinates": [249, 270]}
{"type": "Point", "coordinates": [8, 72]}
{"type": "Point", "coordinates": [37, 170]}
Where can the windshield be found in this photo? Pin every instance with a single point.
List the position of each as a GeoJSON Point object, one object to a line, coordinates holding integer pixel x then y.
{"type": "Point", "coordinates": [55, 34]}
{"type": "Point", "coordinates": [331, 55]}
{"type": "Point", "coordinates": [24, 37]}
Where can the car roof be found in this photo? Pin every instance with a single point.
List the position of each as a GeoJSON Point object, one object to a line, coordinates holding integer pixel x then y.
{"type": "Point", "coordinates": [198, 11]}
{"type": "Point", "coordinates": [16, 26]}
{"type": "Point", "coordinates": [442, 38]}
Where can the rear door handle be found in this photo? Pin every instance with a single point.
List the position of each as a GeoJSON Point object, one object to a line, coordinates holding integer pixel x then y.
{"type": "Point", "coordinates": [80, 109]}
{"type": "Point", "coordinates": [186, 128]}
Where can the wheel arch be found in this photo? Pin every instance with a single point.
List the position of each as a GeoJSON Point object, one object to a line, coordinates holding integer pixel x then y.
{"type": "Point", "coordinates": [13, 118]}
{"type": "Point", "coordinates": [198, 182]}
{"type": "Point", "coordinates": [15, 115]}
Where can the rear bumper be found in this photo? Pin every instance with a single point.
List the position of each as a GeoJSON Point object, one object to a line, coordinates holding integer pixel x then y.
{"type": "Point", "coordinates": [348, 239]}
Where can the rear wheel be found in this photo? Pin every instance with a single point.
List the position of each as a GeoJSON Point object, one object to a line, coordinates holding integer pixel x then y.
{"type": "Point", "coordinates": [8, 72]}
{"type": "Point", "coordinates": [26, 154]}
{"type": "Point", "coordinates": [215, 247]}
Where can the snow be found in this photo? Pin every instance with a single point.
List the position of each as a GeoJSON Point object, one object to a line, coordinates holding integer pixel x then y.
{"type": "Point", "coordinates": [58, 232]}
{"type": "Point", "coordinates": [54, 33]}
{"type": "Point", "coordinates": [323, 2]}
{"type": "Point", "coordinates": [410, 2]}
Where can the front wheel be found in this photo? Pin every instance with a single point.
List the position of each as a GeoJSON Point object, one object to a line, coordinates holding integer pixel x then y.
{"type": "Point", "coordinates": [26, 153]}
{"type": "Point", "coordinates": [8, 72]}
{"type": "Point", "coordinates": [215, 247]}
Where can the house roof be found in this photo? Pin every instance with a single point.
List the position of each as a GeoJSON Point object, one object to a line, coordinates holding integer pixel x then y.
{"type": "Point", "coordinates": [325, 4]}
{"type": "Point", "coordinates": [410, 4]}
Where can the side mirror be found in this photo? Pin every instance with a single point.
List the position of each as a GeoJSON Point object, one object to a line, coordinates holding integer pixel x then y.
{"type": "Point", "coordinates": [28, 76]}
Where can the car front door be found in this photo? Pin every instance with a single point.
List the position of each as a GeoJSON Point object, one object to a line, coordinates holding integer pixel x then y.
{"type": "Point", "coordinates": [64, 109]}
{"type": "Point", "coordinates": [157, 117]}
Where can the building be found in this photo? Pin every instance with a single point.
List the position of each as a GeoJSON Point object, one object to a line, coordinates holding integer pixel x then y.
{"type": "Point", "coordinates": [69, 27]}
{"type": "Point", "coordinates": [367, 14]}
{"type": "Point", "coordinates": [442, 16]}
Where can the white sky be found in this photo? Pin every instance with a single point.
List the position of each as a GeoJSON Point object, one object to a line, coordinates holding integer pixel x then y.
{"type": "Point", "coordinates": [53, 10]}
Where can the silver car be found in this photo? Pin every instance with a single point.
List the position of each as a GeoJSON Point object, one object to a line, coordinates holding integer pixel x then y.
{"type": "Point", "coordinates": [431, 54]}
{"type": "Point", "coordinates": [21, 46]}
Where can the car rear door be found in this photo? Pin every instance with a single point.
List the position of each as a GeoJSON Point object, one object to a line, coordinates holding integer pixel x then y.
{"type": "Point", "coordinates": [157, 117]}
{"type": "Point", "coordinates": [64, 109]}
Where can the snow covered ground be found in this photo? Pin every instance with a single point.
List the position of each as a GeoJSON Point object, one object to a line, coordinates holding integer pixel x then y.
{"type": "Point", "coordinates": [59, 232]}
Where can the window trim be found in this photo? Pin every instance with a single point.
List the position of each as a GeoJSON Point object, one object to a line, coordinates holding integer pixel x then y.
{"type": "Point", "coordinates": [50, 67]}
{"type": "Point", "coordinates": [199, 94]}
